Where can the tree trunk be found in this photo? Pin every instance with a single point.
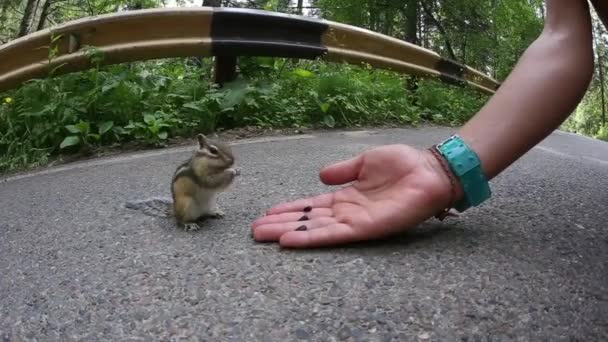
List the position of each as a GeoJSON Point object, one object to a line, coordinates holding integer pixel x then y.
{"type": "Point", "coordinates": [464, 50]}
{"type": "Point", "coordinates": [3, 11]}
{"type": "Point", "coordinates": [44, 14]}
{"type": "Point", "coordinates": [411, 22]}
{"type": "Point", "coordinates": [300, 7]}
{"type": "Point", "coordinates": [212, 3]}
{"type": "Point", "coordinates": [424, 30]}
{"type": "Point", "coordinates": [542, 10]}
{"type": "Point", "coordinates": [411, 14]}
{"type": "Point", "coordinates": [441, 29]}
{"type": "Point", "coordinates": [600, 68]}
{"type": "Point", "coordinates": [26, 21]}
{"type": "Point", "coordinates": [386, 23]}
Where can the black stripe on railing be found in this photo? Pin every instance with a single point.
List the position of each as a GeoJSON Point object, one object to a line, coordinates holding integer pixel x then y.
{"type": "Point", "coordinates": [267, 34]}
{"type": "Point", "coordinates": [451, 72]}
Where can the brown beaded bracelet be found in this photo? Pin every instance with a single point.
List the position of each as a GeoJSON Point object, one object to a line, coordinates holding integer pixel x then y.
{"type": "Point", "coordinates": [445, 212]}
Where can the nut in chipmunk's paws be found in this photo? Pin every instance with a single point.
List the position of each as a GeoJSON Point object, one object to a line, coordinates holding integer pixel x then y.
{"type": "Point", "coordinates": [235, 171]}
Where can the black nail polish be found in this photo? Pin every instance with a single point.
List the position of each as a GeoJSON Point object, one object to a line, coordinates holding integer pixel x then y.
{"type": "Point", "coordinates": [301, 229]}
{"type": "Point", "coordinates": [307, 209]}
{"type": "Point", "coordinates": [303, 218]}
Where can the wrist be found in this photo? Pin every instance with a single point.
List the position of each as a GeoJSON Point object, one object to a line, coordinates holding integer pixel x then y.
{"type": "Point", "coordinates": [451, 190]}
{"type": "Point", "coordinates": [464, 165]}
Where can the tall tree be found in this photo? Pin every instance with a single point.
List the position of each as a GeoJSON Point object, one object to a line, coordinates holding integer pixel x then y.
{"type": "Point", "coordinates": [44, 14]}
{"type": "Point", "coordinates": [410, 13]}
{"type": "Point", "coordinates": [212, 3]}
{"type": "Point", "coordinates": [28, 15]}
{"type": "Point", "coordinates": [600, 69]}
{"type": "Point", "coordinates": [448, 44]}
{"type": "Point", "coordinates": [3, 18]}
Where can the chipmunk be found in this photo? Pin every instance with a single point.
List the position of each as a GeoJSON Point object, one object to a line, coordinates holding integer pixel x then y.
{"type": "Point", "coordinates": [195, 185]}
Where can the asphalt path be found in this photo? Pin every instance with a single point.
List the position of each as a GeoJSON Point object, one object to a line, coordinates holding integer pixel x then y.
{"type": "Point", "coordinates": [531, 264]}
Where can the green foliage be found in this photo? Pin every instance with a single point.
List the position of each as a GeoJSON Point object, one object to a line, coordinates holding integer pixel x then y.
{"type": "Point", "coordinates": [447, 105]}
{"type": "Point", "coordinates": [602, 133]}
{"type": "Point", "coordinates": [81, 134]}
{"type": "Point", "coordinates": [150, 102]}
{"type": "Point", "coordinates": [591, 116]}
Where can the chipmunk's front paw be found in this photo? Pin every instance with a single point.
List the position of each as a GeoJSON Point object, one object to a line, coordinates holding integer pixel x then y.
{"type": "Point", "coordinates": [235, 171]}
{"type": "Point", "coordinates": [191, 227]}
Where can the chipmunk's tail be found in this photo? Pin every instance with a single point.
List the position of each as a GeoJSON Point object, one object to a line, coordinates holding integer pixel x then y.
{"type": "Point", "coordinates": [156, 207]}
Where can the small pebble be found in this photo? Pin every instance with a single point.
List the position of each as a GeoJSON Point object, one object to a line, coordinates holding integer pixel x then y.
{"type": "Point", "coordinates": [302, 334]}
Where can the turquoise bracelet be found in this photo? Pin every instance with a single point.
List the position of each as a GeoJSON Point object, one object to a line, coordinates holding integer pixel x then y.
{"type": "Point", "coordinates": [466, 166]}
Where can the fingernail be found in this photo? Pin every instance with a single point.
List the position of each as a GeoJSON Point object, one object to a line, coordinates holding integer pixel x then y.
{"type": "Point", "coordinates": [307, 209]}
{"type": "Point", "coordinates": [303, 218]}
{"type": "Point", "coordinates": [301, 229]}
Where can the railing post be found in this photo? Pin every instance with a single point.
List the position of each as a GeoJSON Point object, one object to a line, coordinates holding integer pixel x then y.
{"type": "Point", "coordinates": [224, 69]}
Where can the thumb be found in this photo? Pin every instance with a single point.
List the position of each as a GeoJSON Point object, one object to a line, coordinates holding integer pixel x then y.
{"type": "Point", "coordinates": [342, 172]}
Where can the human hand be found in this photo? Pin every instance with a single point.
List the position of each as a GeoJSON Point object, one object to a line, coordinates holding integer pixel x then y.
{"type": "Point", "coordinates": [394, 188]}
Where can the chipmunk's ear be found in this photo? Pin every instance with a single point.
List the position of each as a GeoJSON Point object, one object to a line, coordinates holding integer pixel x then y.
{"type": "Point", "coordinates": [202, 140]}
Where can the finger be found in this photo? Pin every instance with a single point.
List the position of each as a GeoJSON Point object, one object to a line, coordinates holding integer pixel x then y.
{"type": "Point", "coordinates": [293, 216]}
{"type": "Point", "coordinates": [274, 231]}
{"type": "Point", "coordinates": [342, 172]}
{"type": "Point", "coordinates": [321, 201]}
{"type": "Point", "coordinates": [334, 234]}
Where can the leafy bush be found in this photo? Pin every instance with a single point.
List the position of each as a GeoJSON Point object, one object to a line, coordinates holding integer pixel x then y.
{"type": "Point", "coordinates": [150, 102]}
{"type": "Point", "coordinates": [602, 134]}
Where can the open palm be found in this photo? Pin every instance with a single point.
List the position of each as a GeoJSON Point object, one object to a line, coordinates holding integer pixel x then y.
{"type": "Point", "coordinates": [393, 188]}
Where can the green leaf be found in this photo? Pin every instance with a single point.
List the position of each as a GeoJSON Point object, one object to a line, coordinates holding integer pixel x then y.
{"type": "Point", "coordinates": [235, 94]}
{"type": "Point", "coordinates": [250, 101]}
{"type": "Point", "coordinates": [163, 135]}
{"type": "Point", "coordinates": [70, 141]}
{"type": "Point", "coordinates": [73, 129]}
{"type": "Point", "coordinates": [302, 73]}
{"type": "Point", "coordinates": [148, 118]}
{"type": "Point", "coordinates": [52, 72]}
{"type": "Point", "coordinates": [83, 127]}
{"type": "Point", "coordinates": [154, 129]}
{"type": "Point", "coordinates": [324, 107]}
{"type": "Point", "coordinates": [178, 96]}
{"type": "Point", "coordinates": [95, 137]}
{"type": "Point", "coordinates": [105, 127]}
{"type": "Point", "coordinates": [265, 61]}
{"type": "Point", "coordinates": [193, 105]}
{"type": "Point", "coordinates": [109, 87]}
{"type": "Point", "coordinates": [118, 130]}
{"type": "Point", "coordinates": [329, 121]}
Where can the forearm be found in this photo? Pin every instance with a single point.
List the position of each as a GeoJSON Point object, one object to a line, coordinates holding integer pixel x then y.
{"type": "Point", "coordinates": [544, 88]}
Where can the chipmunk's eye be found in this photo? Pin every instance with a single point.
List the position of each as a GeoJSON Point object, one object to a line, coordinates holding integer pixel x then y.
{"type": "Point", "coordinates": [213, 149]}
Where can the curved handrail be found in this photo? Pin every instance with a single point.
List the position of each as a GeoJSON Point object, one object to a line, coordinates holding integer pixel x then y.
{"type": "Point", "coordinates": [205, 31]}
